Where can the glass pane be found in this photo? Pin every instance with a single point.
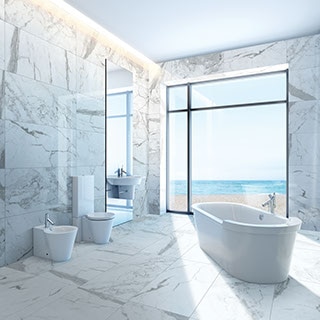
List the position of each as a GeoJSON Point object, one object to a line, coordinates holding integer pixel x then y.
{"type": "Point", "coordinates": [177, 98]}
{"type": "Point", "coordinates": [117, 104]}
{"type": "Point", "coordinates": [178, 161]}
{"type": "Point", "coordinates": [239, 155]}
{"type": "Point", "coordinates": [117, 144]}
{"type": "Point", "coordinates": [262, 88]}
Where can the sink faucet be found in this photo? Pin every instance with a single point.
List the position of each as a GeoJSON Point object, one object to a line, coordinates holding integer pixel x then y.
{"type": "Point", "coordinates": [120, 172]}
{"type": "Point", "coordinates": [271, 202]}
{"type": "Point", "coordinates": [47, 221]}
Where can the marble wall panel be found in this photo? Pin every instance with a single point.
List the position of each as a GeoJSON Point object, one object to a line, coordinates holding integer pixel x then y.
{"type": "Point", "coordinates": [2, 242]}
{"type": "Point", "coordinates": [2, 9]}
{"type": "Point", "coordinates": [50, 25]}
{"type": "Point", "coordinates": [2, 144]}
{"type": "Point", "coordinates": [90, 149]}
{"type": "Point", "coordinates": [34, 189]}
{"type": "Point", "coordinates": [90, 79]}
{"type": "Point", "coordinates": [303, 53]}
{"type": "Point", "coordinates": [269, 54]}
{"type": "Point", "coordinates": [304, 117]}
{"type": "Point", "coordinates": [304, 149]}
{"type": "Point", "coordinates": [305, 181]}
{"type": "Point", "coordinates": [304, 84]}
{"type": "Point", "coordinates": [19, 235]}
{"type": "Point", "coordinates": [90, 113]}
{"type": "Point", "coordinates": [2, 97]}
{"type": "Point", "coordinates": [2, 60]}
{"type": "Point", "coordinates": [31, 101]}
{"type": "Point", "coordinates": [37, 59]}
{"type": "Point", "coordinates": [32, 146]}
{"type": "Point", "coordinates": [2, 194]}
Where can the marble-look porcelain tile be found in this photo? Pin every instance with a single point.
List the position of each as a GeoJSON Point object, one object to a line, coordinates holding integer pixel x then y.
{"type": "Point", "coordinates": [135, 311]}
{"type": "Point", "coordinates": [2, 150]}
{"type": "Point", "coordinates": [30, 190]}
{"type": "Point", "coordinates": [229, 298]}
{"type": "Point", "coordinates": [303, 149]}
{"type": "Point", "coordinates": [307, 237]}
{"type": "Point", "coordinates": [304, 117]}
{"type": "Point", "coordinates": [90, 113]}
{"type": "Point", "coordinates": [80, 269]}
{"type": "Point", "coordinates": [35, 102]}
{"type": "Point", "coordinates": [296, 300]}
{"type": "Point", "coordinates": [90, 148]}
{"type": "Point", "coordinates": [2, 193]}
{"type": "Point", "coordinates": [32, 265]}
{"type": "Point", "coordinates": [77, 304]}
{"type": "Point", "coordinates": [128, 278]}
{"type": "Point", "coordinates": [180, 288]}
{"type": "Point", "coordinates": [255, 56]}
{"type": "Point", "coordinates": [92, 49]}
{"type": "Point", "coordinates": [23, 294]}
{"type": "Point", "coordinates": [90, 79]}
{"type": "Point", "coordinates": [54, 26]}
{"type": "Point", "coordinates": [2, 37]}
{"type": "Point", "coordinates": [305, 265]}
{"type": "Point", "coordinates": [304, 181]}
{"type": "Point", "coordinates": [2, 100]}
{"type": "Point", "coordinates": [34, 58]}
{"type": "Point", "coordinates": [303, 52]}
{"type": "Point", "coordinates": [198, 255]}
{"type": "Point", "coordinates": [173, 245]}
{"type": "Point", "coordinates": [39, 146]}
{"type": "Point", "coordinates": [2, 9]}
{"type": "Point", "coordinates": [303, 84]}
{"type": "Point", "coordinates": [2, 241]}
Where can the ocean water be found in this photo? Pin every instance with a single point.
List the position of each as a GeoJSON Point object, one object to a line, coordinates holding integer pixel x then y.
{"type": "Point", "coordinates": [207, 187]}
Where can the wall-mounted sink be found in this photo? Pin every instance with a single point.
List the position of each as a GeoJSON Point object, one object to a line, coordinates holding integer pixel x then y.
{"type": "Point", "coordinates": [122, 187]}
{"type": "Point", "coordinates": [124, 181]}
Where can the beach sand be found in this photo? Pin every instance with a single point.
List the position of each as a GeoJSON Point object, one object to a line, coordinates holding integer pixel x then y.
{"type": "Point", "coordinates": [178, 202]}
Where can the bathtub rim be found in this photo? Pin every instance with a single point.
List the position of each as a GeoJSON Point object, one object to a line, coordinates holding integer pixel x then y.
{"type": "Point", "coordinates": [292, 224]}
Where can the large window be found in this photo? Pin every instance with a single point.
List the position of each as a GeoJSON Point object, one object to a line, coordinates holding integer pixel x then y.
{"type": "Point", "coordinates": [227, 141]}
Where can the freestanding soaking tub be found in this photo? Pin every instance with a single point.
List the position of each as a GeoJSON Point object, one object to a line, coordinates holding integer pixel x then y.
{"type": "Point", "coordinates": [250, 244]}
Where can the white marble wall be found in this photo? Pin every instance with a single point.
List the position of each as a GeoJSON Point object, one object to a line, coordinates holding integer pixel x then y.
{"type": "Point", "coordinates": [303, 58]}
{"type": "Point", "coordinates": [52, 117]}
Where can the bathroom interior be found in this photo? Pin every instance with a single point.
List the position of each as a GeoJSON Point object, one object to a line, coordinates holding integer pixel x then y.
{"type": "Point", "coordinates": [85, 116]}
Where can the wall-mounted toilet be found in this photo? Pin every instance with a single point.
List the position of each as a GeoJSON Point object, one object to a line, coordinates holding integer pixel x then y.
{"type": "Point", "coordinates": [93, 226]}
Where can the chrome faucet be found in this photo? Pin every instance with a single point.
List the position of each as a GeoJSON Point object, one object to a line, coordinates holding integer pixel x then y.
{"type": "Point", "coordinates": [271, 202]}
{"type": "Point", "coordinates": [47, 221]}
{"type": "Point", "coordinates": [120, 172]}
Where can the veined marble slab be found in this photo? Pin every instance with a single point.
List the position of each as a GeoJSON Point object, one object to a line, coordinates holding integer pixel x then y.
{"type": "Point", "coordinates": [2, 241]}
{"type": "Point", "coordinates": [22, 294]}
{"type": "Point", "coordinates": [50, 25]}
{"type": "Point", "coordinates": [229, 298]}
{"type": "Point", "coordinates": [37, 59]}
{"type": "Point", "coordinates": [2, 9]}
{"type": "Point", "coordinates": [2, 145]}
{"type": "Point", "coordinates": [38, 146]}
{"type": "Point", "coordinates": [31, 101]}
{"type": "Point", "coordinates": [2, 37]}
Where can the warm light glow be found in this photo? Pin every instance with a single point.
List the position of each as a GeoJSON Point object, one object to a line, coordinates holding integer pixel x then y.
{"type": "Point", "coordinates": [83, 20]}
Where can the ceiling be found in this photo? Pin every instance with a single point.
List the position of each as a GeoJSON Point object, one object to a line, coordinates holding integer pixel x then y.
{"type": "Point", "coordinates": [171, 29]}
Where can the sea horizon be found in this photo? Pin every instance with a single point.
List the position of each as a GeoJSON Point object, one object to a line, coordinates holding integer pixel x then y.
{"type": "Point", "coordinates": [208, 187]}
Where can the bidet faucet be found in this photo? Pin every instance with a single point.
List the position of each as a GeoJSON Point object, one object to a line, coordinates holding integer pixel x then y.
{"type": "Point", "coordinates": [271, 202]}
{"type": "Point", "coordinates": [47, 221]}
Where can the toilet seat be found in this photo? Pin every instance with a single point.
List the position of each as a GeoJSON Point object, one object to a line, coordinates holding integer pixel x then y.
{"type": "Point", "coordinates": [100, 216]}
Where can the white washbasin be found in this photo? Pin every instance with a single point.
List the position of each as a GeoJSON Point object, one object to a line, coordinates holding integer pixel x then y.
{"type": "Point", "coordinates": [60, 240]}
{"type": "Point", "coordinates": [124, 181]}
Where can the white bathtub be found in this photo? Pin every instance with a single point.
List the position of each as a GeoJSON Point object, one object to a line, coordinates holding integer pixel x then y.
{"type": "Point", "coordinates": [250, 244]}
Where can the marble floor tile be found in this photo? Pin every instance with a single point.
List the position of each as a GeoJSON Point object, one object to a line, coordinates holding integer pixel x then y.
{"type": "Point", "coordinates": [134, 311]}
{"type": "Point", "coordinates": [180, 288]}
{"type": "Point", "coordinates": [128, 278]}
{"type": "Point", "coordinates": [22, 294]}
{"type": "Point", "coordinates": [295, 300]}
{"type": "Point", "coordinates": [305, 265]}
{"type": "Point", "coordinates": [154, 269]}
{"type": "Point", "coordinates": [230, 298]}
{"type": "Point", "coordinates": [77, 304]}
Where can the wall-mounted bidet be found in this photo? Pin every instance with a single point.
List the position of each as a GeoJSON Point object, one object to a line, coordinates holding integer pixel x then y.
{"type": "Point", "coordinates": [93, 226]}
{"type": "Point", "coordinates": [53, 242]}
